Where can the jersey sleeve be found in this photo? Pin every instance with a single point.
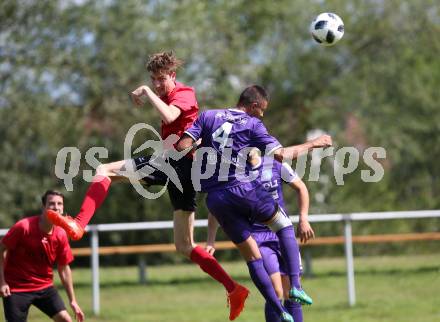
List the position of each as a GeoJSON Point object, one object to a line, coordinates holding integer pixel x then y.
{"type": "Point", "coordinates": [288, 175]}
{"type": "Point", "coordinates": [184, 99]}
{"type": "Point", "coordinates": [64, 252]}
{"type": "Point", "coordinates": [13, 236]}
{"type": "Point", "coordinates": [262, 140]}
{"type": "Point", "coordinates": [195, 131]}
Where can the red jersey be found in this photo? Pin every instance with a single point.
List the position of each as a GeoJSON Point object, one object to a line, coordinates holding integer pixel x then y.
{"type": "Point", "coordinates": [184, 98]}
{"type": "Point", "coordinates": [31, 254]}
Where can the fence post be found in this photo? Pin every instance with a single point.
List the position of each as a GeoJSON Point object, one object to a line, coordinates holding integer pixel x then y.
{"type": "Point", "coordinates": [307, 267]}
{"type": "Point", "coordinates": [349, 261]}
{"type": "Point", "coordinates": [95, 270]}
{"type": "Point", "coordinates": [142, 264]}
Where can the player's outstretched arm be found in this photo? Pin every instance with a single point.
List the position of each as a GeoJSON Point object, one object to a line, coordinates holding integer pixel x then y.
{"type": "Point", "coordinates": [168, 113]}
{"type": "Point", "coordinates": [66, 278]}
{"type": "Point", "coordinates": [304, 230]}
{"type": "Point", "coordinates": [292, 152]}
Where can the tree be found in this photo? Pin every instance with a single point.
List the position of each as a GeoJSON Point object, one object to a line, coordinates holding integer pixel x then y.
{"type": "Point", "coordinates": [66, 68]}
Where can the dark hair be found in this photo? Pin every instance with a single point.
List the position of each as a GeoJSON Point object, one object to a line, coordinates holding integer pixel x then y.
{"type": "Point", "coordinates": [163, 62]}
{"type": "Point", "coordinates": [253, 94]}
{"type": "Point", "coordinates": [50, 193]}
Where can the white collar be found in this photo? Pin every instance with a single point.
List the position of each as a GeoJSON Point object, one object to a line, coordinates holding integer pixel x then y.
{"type": "Point", "coordinates": [236, 110]}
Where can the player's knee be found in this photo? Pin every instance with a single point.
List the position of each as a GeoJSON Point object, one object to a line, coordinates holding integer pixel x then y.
{"type": "Point", "coordinates": [102, 170]}
{"type": "Point", "coordinates": [62, 316]}
{"type": "Point", "coordinates": [184, 248]}
{"type": "Point", "coordinates": [279, 221]}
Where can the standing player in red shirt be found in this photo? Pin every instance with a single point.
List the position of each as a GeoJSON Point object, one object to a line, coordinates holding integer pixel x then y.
{"type": "Point", "coordinates": [27, 254]}
{"type": "Point", "coordinates": [178, 109]}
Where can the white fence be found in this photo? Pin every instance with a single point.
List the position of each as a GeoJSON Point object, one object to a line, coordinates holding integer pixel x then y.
{"type": "Point", "coordinates": [346, 219]}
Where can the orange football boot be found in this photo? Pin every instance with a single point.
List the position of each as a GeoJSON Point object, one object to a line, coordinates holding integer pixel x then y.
{"type": "Point", "coordinates": [236, 301]}
{"type": "Point", "coordinates": [69, 224]}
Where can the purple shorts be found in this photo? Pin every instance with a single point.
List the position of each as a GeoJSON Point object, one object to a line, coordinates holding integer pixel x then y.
{"type": "Point", "coordinates": [270, 251]}
{"type": "Point", "coordinates": [273, 261]}
{"type": "Point", "coordinates": [265, 236]}
{"type": "Point", "coordinates": [236, 208]}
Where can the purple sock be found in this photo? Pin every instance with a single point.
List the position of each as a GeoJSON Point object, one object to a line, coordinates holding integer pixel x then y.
{"type": "Point", "coordinates": [294, 309]}
{"type": "Point", "coordinates": [290, 251]}
{"type": "Point", "coordinates": [262, 282]}
{"type": "Point", "coordinates": [270, 314]}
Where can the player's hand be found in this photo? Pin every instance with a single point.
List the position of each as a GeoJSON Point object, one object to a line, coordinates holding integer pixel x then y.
{"type": "Point", "coordinates": [210, 248]}
{"type": "Point", "coordinates": [305, 231]}
{"type": "Point", "coordinates": [5, 291]}
{"type": "Point", "coordinates": [322, 141]}
{"type": "Point", "coordinates": [137, 94]}
{"type": "Point", "coordinates": [79, 315]}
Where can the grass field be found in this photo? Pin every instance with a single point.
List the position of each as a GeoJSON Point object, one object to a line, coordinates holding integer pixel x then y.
{"type": "Point", "coordinates": [391, 289]}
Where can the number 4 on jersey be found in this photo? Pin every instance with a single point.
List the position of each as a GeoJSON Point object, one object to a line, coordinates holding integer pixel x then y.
{"type": "Point", "coordinates": [221, 135]}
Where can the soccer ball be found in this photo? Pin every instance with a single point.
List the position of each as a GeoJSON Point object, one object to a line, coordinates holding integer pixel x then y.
{"type": "Point", "coordinates": [327, 28]}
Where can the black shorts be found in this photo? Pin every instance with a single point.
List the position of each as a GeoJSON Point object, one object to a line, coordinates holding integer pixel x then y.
{"type": "Point", "coordinates": [17, 305]}
{"type": "Point", "coordinates": [185, 200]}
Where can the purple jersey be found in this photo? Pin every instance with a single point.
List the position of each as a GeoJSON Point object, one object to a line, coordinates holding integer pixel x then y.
{"type": "Point", "coordinates": [272, 174]}
{"type": "Point", "coordinates": [227, 137]}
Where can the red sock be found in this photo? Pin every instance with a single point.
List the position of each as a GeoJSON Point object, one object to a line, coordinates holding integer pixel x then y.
{"type": "Point", "coordinates": [209, 265]}
{"type": "Point", "coordinates": [95, 195]}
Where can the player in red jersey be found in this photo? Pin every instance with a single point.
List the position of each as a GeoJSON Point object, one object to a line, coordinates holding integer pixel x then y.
{"type": "Point", "coordinates": [178, 109]}
{"type": "Point", "coordinates": [27, 254]}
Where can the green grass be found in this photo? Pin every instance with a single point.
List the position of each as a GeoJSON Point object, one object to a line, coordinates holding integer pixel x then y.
{"type": "Point", "coordinates": [388, 289]}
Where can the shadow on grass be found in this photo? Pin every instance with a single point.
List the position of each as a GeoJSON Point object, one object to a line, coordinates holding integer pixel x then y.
{"type": "Point", "coordinates": [373, 271]}
{"type": "Point", "coordinates": [184, 280]}
{"type": "Point", "coordinates": [152, 282]}
{"type": "Point", "coordinates": [338, 307]}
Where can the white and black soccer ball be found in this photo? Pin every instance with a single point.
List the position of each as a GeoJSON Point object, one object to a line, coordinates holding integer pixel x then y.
{"type": "Point", "coordinates": [327, 28]}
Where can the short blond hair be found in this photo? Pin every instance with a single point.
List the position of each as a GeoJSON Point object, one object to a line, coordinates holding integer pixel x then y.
{"type": "Point", "coordinates": [163, 63]}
